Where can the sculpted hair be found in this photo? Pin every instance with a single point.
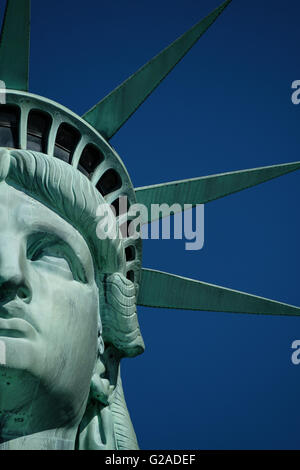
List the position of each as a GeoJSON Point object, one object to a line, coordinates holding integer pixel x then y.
{"type": "Point", "coordinates": [70, 194]}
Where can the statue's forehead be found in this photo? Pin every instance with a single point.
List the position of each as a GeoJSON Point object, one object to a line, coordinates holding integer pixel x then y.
{"type": "Point", "coordinates": [17, 206]}
{"type": "Point", "coordinates": [24, 213]}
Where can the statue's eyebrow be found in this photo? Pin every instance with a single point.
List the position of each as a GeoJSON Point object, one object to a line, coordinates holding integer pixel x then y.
{"type": "Point", "coordinates": [41, 240]}
{"type": "Point", "coordinates": [39, 226]}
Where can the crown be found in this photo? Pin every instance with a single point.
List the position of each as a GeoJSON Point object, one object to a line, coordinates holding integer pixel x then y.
{"type": "Point", "coordinates": [31, 122]}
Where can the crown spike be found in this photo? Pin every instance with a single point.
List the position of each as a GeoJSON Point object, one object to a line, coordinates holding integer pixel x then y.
{"type": "Point", "coordinates": [14, 45]}
{"type": "Point", "coordinates": [208, 188]}
{"type": "Point", "coordinates": [109, 115]}
{"type": "Point", "coordinates": [176, 292]}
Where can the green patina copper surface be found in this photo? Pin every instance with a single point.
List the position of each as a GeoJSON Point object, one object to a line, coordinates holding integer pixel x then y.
{"type": "Point", "coordinates": [14, 45]}
{"type": "Point", "coordinates": [170, 291]}
{"type": "Point", "coordinates": [114, 110]}
{"type": "Point", "coordinates": [208, 188]}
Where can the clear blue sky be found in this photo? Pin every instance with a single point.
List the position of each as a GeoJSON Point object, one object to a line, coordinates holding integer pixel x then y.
{"type": "Point", "coordinates": [206, 380]}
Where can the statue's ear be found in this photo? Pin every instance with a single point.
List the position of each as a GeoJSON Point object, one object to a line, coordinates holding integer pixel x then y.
{"type": "Point", "coordinates": [118, 315]}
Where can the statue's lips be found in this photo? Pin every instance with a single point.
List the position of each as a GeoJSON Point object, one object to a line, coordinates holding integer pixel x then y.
{"type": "Point", "coordinates": [15, 328]}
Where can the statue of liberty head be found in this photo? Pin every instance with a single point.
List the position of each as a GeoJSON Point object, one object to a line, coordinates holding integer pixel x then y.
{"type": "Point", "coordinates": [68, 291]}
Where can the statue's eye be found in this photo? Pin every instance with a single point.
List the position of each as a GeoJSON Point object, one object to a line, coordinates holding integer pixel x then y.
{"type": "Point", "coordinates": [56, 255]}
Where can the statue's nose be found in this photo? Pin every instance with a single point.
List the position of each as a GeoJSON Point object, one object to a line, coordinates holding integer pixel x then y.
{"type": "Point", "coordinates": [13, 282]}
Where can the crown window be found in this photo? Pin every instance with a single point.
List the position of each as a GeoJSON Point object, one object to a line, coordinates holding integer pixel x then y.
{"type": "Point", "coordinates": [130, 276]}
{"type": "Point", "coordinates": [9, 126]}
{"type": "Point", "coordinates": [130, 253]}
{"type": "Point", "coordinates": [109, 182]}
{"type": "Point", "coordinates": [121, 205]}
{"type": "Point", "coordinates": [66, 142]}
{"type": "Point", "coordinates": [91, 158]}
{"type": "Point", "coordinates": [38, 128]}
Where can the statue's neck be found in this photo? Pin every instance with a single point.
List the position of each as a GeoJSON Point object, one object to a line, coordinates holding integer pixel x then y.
{"type": "Point", "coordinates": [53, 439]}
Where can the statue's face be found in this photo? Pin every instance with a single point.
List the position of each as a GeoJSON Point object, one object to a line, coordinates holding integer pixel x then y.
{"type": "Point", "coordinates": [49, 302]}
